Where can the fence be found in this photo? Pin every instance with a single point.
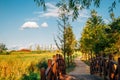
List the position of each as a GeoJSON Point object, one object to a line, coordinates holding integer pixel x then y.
{"type": "Point", "coordinates": [56, 69]}
{"type": "Point", "coordinates": [105, 67]}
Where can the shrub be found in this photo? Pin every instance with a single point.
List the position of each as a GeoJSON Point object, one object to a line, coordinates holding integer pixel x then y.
{"type": "Point", "coordinates": [42, 63]}
{"type": "Point", "coordinates": [31, 76]}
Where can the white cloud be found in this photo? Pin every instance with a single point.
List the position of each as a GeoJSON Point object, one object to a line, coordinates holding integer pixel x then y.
{"type": "Point", "coordinates": [44, 24]}
{"type": "Point", "coordinates": [29, 24]}
{"type": "Point", "coordinates": [84, 13]}
{"type": "Point", "coordinates": [13, 47]}
{"type": "Point", "coordinates": [32, 19]}
{"type": "Point", "coordinates": [21, 46]}
{"type": "Point", "coordinates": [36, 12]}
{"type": "Point", "coordinates": [49, 5]}
{"type": "Point", "coordinates": [52, 11]}
{"type": "Point", "coordinates": [106, 20]}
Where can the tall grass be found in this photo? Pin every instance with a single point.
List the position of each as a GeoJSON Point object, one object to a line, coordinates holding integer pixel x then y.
{"type": "Point", "coordinates": [13, 66]}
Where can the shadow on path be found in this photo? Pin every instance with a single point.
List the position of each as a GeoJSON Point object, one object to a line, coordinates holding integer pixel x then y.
{"type": "Point", "coordinates": [86, 77]}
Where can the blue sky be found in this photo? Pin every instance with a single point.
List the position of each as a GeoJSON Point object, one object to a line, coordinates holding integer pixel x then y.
{"type": "Point", "coordinates": [22, 23]}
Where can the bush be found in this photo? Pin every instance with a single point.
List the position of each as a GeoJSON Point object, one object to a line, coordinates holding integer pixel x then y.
{"type": "Point", "coordinates": [31, 76]}
{"type": "Point", "coordinates": [42, 63]}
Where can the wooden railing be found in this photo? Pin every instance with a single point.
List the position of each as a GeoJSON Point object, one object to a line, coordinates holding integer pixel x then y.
{"type": "Point", "coordinates": [56, 69]}
{"type": "Point", "coordinates": [105, 67]}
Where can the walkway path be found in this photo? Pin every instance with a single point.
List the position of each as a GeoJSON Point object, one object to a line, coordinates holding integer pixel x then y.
{"type": "Point", "coordinates": [82, 71]}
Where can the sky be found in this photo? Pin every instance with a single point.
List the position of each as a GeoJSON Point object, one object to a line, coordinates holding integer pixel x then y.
{"type": "Point", "coordinates": [23, 23]}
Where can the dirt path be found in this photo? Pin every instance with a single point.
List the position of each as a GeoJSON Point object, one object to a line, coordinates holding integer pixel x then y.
{"type": "Point", "coordinates": [82, 71]}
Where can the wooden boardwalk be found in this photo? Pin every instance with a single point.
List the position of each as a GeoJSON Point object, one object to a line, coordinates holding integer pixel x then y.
{"type": "Point", "coordinates": [82, 71]}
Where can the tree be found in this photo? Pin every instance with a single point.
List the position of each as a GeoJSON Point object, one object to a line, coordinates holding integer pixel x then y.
{"type": "Point", "coordinates": [30, 47]}
{"type": "Point", "coordinates": [2, 47]}
{"type": "Point", "coordinates": [115, 27]}
{"type": "Point", "coordinates": [114, 34]}
{"type": "Point", "coordinates": [66, 42]}
{"type": "Point", "coordinates": [70, 43]}
{"type": "Point", "coordinates": [62, 24]}
{"type": "Point", "coordinates": [98, 37]}
{"type": "Point", "coordinates": [94, 20]}
{"type": "Point", "coordinates": [76, 5]}
{"type": "Point", "coordinates": [38, 48]}
{"type": "Point", "coordinates": [94, 38]}
{"type": "Point", "coordinates": [66, 37]}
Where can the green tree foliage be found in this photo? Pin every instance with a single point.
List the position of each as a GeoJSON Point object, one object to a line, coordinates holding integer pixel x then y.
{"type": "Point", "coordinates": [62, 24]}
{"type": "Point", "coordinates": [97, 37]}
{"type": "Point", "coordinates": [40, 3]}
{"type": "Point", "coordinates": [66, 37]}
{"type": "Point", "coordinates": [115, 26]}
{"type": "Point", "coordinates": [94, 38]}
{"type": "Point", "coordinates": [114, 35]}
{"type": "Point", "coordinates": [76, 5]}
{"type": "Point", "coordinates": [69, 43]}
{"type": "Point", "coordinates": [2, 47]}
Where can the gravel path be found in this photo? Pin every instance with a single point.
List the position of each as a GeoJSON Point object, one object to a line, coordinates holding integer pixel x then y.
{"type": "Point", "coordinates": [82, 71]}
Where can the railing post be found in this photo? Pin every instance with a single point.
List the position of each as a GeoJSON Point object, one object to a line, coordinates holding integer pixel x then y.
{"type": "Point", "coordinates": [100, 65]}
{"type": "Point", "coordinates": [42, 74]}
{"type": "Point", "coordinates": [110, 68]}
{"type": "Point", "coordinates": [91, 66]}
{"type": "Point", "coordinates": [118, 68]}
{"type": "Point", "coordinates": [107, 67]}
{"type": "Point", "coordinates": [48, 72]}
{"type": "Point", "coordinates": [105, 71]}
{"type": "Point", "coordinates": [49, 62]}
{"type": "Point", "coordinates": [96, 64]}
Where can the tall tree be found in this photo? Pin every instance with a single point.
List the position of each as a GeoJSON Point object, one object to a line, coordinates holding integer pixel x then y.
{"type": "Point", "coordinates": [114, 34]}
{"type": "Point", "coordinates": [38, 47]}
{"type": "Point", "coordinates": [62, 24]}
{"type": "Point", "coordinates": [99, 37]}
{"type": "Point", "coordinates": [94, 38]}
{"type": "Point", "coordinates": [70, 43]}
{"type": "Point", "coordinates": [66, 37]}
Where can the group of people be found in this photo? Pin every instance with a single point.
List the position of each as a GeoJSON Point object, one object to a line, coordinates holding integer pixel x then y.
{"type": "Point", "coordinates": [56, 69]}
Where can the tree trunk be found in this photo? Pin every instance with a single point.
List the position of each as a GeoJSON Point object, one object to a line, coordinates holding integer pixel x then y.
{"type": "Point", "coordinates": [91, 54]}
{"type": "Point", "coordinates": [64, 56]}
{"type": "Point", "coordinates": [68, 61]}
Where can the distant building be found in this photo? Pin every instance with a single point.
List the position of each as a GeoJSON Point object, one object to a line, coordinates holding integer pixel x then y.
{"type": "Point", "coordinates": [24, 50]}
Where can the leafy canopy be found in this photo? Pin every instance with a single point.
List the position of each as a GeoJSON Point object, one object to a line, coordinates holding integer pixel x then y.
{"type": "Point", "coordinates": [76, 5]}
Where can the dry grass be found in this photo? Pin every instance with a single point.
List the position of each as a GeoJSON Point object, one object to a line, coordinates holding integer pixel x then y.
{"type": "Point", "coordinates": [12, 67]}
